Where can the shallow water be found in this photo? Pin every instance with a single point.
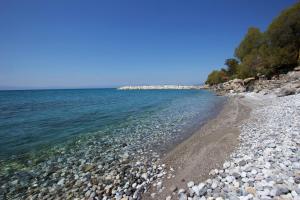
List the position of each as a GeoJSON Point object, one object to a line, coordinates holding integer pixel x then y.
{"type": "Point", "coordinates": [32, 121]}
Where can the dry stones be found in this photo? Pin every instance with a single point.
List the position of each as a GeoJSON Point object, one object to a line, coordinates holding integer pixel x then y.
{"type": "Point", "coordinates": [267, 163]}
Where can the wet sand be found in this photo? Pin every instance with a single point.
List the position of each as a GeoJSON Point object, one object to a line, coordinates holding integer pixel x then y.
{"type": "Point", "coordinates": [205, 150]}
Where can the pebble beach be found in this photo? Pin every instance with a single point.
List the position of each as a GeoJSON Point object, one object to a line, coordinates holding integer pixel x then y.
{"type": "Point", "coordinates": [117, 161]}
{"type": "Point", "coordinates": [266, 163]}
{"type": "Point", "coordinates": [249, 151]}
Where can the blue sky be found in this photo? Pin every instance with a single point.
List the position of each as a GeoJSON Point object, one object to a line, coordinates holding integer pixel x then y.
{"type": "Point", "coordinates": [78, 44]}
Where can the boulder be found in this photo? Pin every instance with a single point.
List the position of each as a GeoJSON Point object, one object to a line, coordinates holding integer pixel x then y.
{"type": "Point", "coordinates": [237, 85]}
{"type": "Point", "coordinates": [286, 90]}
{"type": "Point", "coordinates": [297, 68]}
{"type": "Point", "coordinates": [296, 84]}
{"type": "Point", "coordinates": [248, 80]}
{"type": "Point", "coordinates": [249, 83]}
{"type": "Point", "coordinates": [293, 75]}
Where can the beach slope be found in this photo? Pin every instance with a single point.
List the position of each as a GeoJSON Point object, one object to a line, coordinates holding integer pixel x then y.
{"type": "Point", "coordinates": [206, 149]}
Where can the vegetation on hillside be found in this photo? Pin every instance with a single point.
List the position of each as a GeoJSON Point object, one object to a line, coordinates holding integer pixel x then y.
{"type": "Point", "coordinates": [277, 50]}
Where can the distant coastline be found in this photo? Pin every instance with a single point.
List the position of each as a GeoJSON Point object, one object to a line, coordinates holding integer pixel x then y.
{"type": "Point", "coordinates": [164, 87]}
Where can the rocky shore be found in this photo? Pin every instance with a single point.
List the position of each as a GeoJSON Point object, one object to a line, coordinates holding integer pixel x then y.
{"type": "Point", "coordinates": [280, 85]}
{"type": "Point", "coordinates": [266, 165]}
{"type": "Point", "coordinates": [206, 149]}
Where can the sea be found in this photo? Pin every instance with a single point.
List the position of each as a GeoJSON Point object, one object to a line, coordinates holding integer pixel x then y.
{"type": "Point", "coordinates": [35, 124]}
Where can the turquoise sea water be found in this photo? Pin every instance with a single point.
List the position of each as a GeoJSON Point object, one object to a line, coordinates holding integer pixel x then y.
{"type": "Point", "coordinates": [32, 121]}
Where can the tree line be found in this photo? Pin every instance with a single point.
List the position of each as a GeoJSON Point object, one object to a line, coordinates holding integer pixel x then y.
{"type": "Point", "coordinates": [275, 51]}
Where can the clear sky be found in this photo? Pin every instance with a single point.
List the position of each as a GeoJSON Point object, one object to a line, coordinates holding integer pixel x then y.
{"type": "Point", "coordinates": [75, 44]}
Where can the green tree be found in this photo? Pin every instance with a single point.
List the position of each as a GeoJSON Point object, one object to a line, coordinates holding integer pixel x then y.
{"type": "Point", "coordinates": [232, 66]}
{"type": "Point", "coordinates": [275, 51]}
{"type": "Point", "coordinates": [250, 44]}
{"type": "Point", "coordinates": [284, 38]}
{"type": "Point", "coordinates": [243, 72]}
{"type": "Point", "coordinates": [252, 52]}
{"type": "Point", "coordinates": [216, 77]}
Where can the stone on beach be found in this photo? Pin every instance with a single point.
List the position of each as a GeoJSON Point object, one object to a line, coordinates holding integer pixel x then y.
{"type": "Point", "coordinates": [266, 165]}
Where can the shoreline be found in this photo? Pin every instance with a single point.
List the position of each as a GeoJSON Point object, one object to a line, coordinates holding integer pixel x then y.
{"type": "Point", "coordinates": [236, 154]}
{"type": "Point", "coordinates": [263, 164]}
{"type": "Point", "coordinates": [100, 167]}
{"type": "Point", "coordinates": [206, 149]}
{"type": "Point", "coordinates": [189, 132]}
